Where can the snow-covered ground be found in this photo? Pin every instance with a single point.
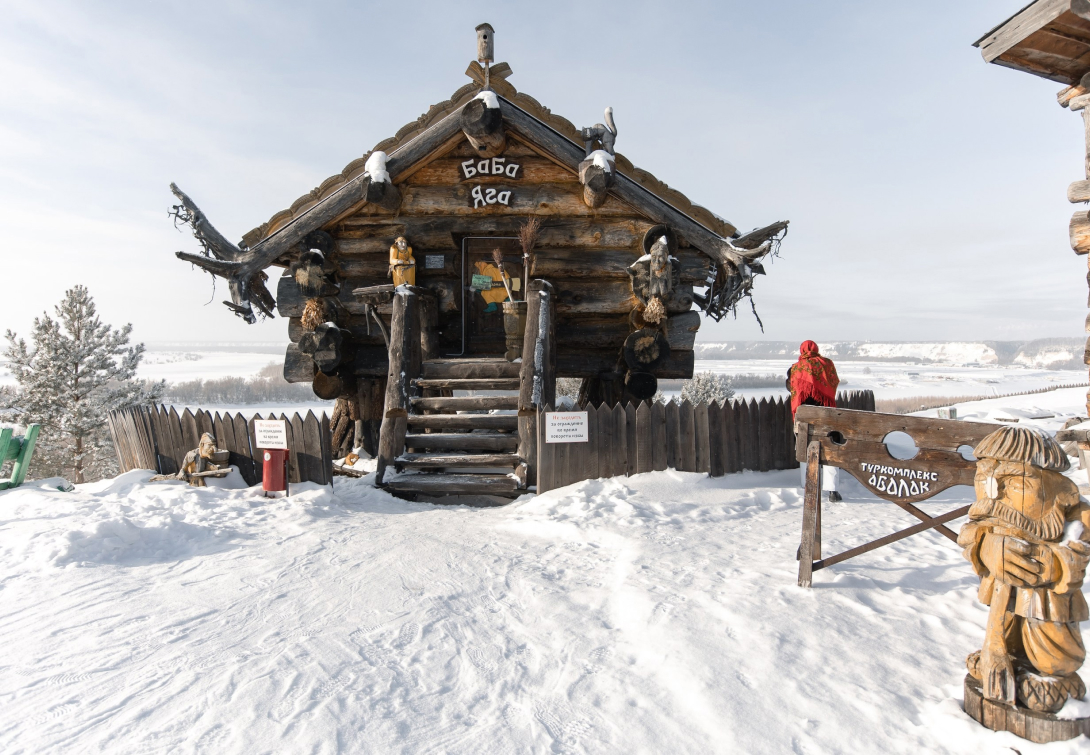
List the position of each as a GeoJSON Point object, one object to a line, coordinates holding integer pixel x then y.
{"type": "Point", "coordinates": [651, 614]}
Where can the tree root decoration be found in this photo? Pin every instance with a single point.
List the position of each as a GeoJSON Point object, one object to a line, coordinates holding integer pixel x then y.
{"type": "Point", "coordinates": [222, 258]}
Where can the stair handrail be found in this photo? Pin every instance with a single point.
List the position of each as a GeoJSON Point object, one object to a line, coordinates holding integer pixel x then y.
{"type": "Point", "coordinates": [405, 366]}
{"type": "Point", "coordinates": [537, 376]}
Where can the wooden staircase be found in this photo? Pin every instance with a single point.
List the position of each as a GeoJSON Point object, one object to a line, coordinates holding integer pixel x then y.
{"type": "Point", "coordinates": [462, 445]}
{"type": "Point", "coordinates": [482, 442]}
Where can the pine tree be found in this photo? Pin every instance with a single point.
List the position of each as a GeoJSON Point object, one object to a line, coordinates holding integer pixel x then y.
{"type": "Point", "coordinates": [78, 371]}
{"type": "Point", "coordinates": [706, 387]}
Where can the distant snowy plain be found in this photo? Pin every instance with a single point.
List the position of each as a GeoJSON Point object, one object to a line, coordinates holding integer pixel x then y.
{"type": "Point", "coordinates": [652, 614]}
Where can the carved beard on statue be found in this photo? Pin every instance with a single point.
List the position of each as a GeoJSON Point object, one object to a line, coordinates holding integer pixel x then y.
{"type": "Point", "coordinates": [1023, 495]}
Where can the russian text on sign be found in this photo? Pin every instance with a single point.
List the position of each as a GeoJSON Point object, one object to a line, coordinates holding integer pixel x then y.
{"type": "Point", "coordinates": [566, 427]}
{"type": "Point", "coordinates": [271, 433]}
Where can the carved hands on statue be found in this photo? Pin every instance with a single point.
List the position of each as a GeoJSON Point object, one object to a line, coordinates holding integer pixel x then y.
{"type": "Point", "coordinates": [996, 671]}
{"type": "Point", "coordinates": [1017, 562]}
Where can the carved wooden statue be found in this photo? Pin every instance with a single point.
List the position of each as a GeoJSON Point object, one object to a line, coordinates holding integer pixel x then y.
{"type": "Point", "coordinates": [1028, 538]}
{"type": "Point", "coordinates": [204, 461]}
{"type": "Point", "coordinates": [657, 274]}
{"type": "Point", "coordinates": [402, 264]}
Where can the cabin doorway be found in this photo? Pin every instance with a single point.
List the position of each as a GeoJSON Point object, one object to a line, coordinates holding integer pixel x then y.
{"type": "Point", "coordinates": [482, 314]}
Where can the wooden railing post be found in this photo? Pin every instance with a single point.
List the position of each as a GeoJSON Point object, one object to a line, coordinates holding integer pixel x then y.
{"type": "Point", "coordinates": [537, 376]}
{"type": "Point", "coordinates": [405, 357]}
{"type": "Point", "coordinates": [811, 515]}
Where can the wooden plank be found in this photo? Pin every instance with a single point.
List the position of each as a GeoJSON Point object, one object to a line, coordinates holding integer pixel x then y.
{"type": "Point", "coordinates": [776, 430]}
{"type": "Point", "coordinates": [631, 439]}
{"type": "Point", "coordinates": [700, 427]}
{"type": "Point", "coordinates": [928, 432]}
{"type": "Point", "coordinates": [764, 435]}
{"type": "Point", "coordinates": [297, 470]}
{"type": "Point", "coordinates": [730, 434]}
{"type": "Point", "coordinates": [245, 452]}
{"type": "Point", "coordinates": [644, 439]}
{"type": "Point", "coordinates": [226, 426]}
{"type": "Point", "coordinates": [810, 503]}
{"type": "Point", "coordinates": [605, 440]}
{"type": "Point", "coordinates": [545, 460]}
{"type": "Point", "coordinates": [726, 427]}
{"type": "Point", "coordinates": [658, 436]}
{"type": "Point", "coordinates": [205, 424]}
{"type": "Point", "coordinates": [598, 263]}
{"type": "Point", "coordinates": [312, 444]}
{"type": "Point", "coordinates": [900, 535]}
{"type": "Point", "coordinates": [715, 450]}
{"type": "Point", "coordinates": [673, 436]}
{"type": "Point", "coordinates": [563, 464]}
{"type": "Point", "coordinates": [257, 455]}
{"type": "Point", "coordinates": [592, 449]}
{"type": "Point", "coordinates": [620, 441]}
{"type": "Point", "coordinates": [753, 442]}
{"type": "Point", "coordinates": [165, 441]}
{"type": "Point", "coordinates": [190, 435]}
{"type": "Point", "coordinates": [174, 423]}
{"type": "Point", "coordinates": [687, 437]}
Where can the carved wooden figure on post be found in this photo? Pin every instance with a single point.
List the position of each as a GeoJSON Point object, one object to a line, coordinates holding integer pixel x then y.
{"type": "Point", "coordinates": [656, 274]}
{"type": "Point", "coordinates": [402, 264]}
{"type": "Point", "coordinates": [1028, 538]}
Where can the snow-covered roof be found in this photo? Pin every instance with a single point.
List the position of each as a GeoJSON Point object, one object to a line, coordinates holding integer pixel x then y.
{"type": "Point", "coordinates": [437, 112]}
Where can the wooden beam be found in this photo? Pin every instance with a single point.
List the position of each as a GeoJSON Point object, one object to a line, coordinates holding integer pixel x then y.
{"type": "Point", "coordinates": [1079, 232]}
{"type": "Point", "coordinates": [653, 207]}
{"type": "Point", "coordinates": [1079, 191]}
{"type": "Point", "coordinates": [1015, 29]}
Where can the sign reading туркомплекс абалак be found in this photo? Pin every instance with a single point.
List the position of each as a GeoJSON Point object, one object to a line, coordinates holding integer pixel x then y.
{"type": "Point", "coordinates": [566, 427]}
{"type": "Point", "coordinates": [271, 433]}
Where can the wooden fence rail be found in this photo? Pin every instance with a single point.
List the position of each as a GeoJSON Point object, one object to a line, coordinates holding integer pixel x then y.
{"type": "Point", "coordinates": [715, 439]}
{"type": "Point", "coordinates": [159, 438]}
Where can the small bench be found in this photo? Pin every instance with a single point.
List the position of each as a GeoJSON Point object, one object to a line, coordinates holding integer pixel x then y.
{"type": "Point", "coordinates": [17, 448]}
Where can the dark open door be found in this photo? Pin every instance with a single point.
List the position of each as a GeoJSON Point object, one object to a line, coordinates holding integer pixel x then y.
{"type": "Point", "coordinates": [485, 292]}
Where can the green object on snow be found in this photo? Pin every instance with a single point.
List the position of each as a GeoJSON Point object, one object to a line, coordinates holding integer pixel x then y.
{"type": "Point", "coordinates": [19, 448]}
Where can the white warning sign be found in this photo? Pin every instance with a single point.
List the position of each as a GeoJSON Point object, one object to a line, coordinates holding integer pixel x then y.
{"type": "Point", "coordinates": [566, 427]}
{"type": "Point", "coordinates": [271, 433]}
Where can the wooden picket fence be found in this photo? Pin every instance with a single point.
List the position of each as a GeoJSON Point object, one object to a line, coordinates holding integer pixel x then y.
{"type": "Point", "coordinates": [159, 438]}
{"type": "Point", "coordinates": [716, 439]}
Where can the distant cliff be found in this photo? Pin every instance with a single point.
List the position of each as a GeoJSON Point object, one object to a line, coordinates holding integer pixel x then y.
{"type": "Point", "coordinates": [1052, 353]}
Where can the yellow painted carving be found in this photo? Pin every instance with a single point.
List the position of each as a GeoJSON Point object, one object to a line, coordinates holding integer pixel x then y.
{"type": "Point", "coordinates": [402, 264]}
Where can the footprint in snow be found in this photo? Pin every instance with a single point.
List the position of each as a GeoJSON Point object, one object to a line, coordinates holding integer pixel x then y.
{"type": "Point", "coordinates": [408, 634]}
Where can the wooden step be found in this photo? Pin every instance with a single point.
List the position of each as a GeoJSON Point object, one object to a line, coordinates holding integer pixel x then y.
{"type": "Point", "coordinates": [464, 403]}
{"type": "Point", "coordinates": [437, 485]}
{"type": "Point", "coordinates": [464, 441]}
{"type": "Point", "coordinates": [470, 368]}
{"type": "Point", "coordinates": [464, 421]}
{"type": "Point", "coordinates": [469, 384]}
{"type": "Point", "coordinates": [433, 461]}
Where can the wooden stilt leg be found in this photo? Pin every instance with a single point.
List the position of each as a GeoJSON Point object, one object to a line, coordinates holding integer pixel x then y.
{"type": "Point", "coordinates": [810, 507]}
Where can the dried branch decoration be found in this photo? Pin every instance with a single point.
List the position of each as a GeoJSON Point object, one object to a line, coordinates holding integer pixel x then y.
{"type": "Point", "coordinates": [528, 233]}
{"type": "Point", "coordinates": [497, 257]}
{"type": "Point", "coordinates": [314, 312]}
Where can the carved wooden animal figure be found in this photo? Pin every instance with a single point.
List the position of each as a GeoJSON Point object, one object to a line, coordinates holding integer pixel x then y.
{"type": "Point", "coordinates": [604, 134]}
{"type": "Point", "coordinates": [660, 281]}
{"type": "Point", "coordinates": [1028, 538]}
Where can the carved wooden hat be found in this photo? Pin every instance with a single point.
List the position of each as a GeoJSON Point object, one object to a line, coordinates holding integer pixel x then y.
{"type": "Point", "coordinates": [1023, 444]}
{"type": "Point", "coordinates": [657, 231]}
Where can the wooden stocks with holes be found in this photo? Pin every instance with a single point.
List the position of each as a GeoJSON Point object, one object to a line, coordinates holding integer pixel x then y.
{"type": "Point", "coordinates": [811, 514]}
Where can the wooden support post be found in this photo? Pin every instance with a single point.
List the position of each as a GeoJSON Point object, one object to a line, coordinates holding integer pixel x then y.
{"type": "Point", "coordinates": [404, 366]}
{"type": "Point", "coordinates": [810, 507]}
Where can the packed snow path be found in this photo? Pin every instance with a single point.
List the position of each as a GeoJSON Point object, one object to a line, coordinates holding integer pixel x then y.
{"type": "Point", "coordinates": [654, 614]}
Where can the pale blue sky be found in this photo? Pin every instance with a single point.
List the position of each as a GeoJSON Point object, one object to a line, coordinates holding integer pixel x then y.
{"type": "Point", "coordinates": [925, 189]}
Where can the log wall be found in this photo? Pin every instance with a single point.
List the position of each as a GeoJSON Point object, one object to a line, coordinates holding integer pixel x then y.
{"type": "Point", "coordinates": [583, 252]}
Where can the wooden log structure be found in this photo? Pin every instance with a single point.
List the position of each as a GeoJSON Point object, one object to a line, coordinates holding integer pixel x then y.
{"type": "Point", "coordinates": [459, 184]}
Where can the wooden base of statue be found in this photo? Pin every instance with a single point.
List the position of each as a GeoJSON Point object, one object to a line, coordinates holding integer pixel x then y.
{"type": "Point", "coordinates": [1028, 724]}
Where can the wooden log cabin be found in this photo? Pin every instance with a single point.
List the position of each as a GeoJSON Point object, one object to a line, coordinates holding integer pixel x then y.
{"type": "Point", "coordinates": [523, 249]}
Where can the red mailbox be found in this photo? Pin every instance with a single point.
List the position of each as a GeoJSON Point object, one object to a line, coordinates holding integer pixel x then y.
{"type": "Point", "coordinates": [272, 438]}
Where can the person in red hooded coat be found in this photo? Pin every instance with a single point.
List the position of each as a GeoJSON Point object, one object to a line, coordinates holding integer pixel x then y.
{"type": "Point", "coordinates": [813, 380]}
